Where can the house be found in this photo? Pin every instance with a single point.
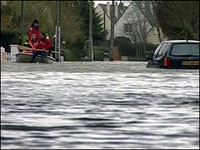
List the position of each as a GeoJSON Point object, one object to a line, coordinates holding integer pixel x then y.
{"type": "Point", "coordinates": [104, 10]}
{"type": "Point", "coordinates": [134, 24]}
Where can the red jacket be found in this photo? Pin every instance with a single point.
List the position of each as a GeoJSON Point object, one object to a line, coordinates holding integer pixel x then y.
{"type": "Point", "coordinates": [34, 31]}
{"type": "Point", "coordinates": [33, 44]}
{"type": "Point", "coordinates": [44, 44]}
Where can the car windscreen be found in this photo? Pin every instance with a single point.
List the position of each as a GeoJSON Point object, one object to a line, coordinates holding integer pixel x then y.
{"type": "Point", "coordinates": [185, 49]}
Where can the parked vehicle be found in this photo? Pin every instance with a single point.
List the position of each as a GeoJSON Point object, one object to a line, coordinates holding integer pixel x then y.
{"type": "Point", "coordinates": [178, 54]}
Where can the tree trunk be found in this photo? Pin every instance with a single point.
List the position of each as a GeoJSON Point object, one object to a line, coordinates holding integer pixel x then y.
{"type": "Point", "coordinates": [159, 34]}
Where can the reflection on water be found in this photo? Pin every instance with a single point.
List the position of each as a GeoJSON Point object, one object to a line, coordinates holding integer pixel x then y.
{"type": "Point", "coordinates": [98, 105]}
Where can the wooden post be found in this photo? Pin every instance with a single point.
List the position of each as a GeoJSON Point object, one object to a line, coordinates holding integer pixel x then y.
{"type": "Point", "coordinates": [22, 22]}
{"type": "Point", "coordinates": [112, 31]}
{"type": "Point", "coordinates": [56, 41]}
{"type": "Point", "coordinates": [90, 32]}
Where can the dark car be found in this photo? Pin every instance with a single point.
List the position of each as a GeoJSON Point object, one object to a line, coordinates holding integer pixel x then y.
{"type": "Point", "coordinates": [178, 54]}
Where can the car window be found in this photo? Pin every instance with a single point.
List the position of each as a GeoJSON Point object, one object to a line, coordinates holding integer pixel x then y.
{"type": "Point", "coordinates": [162, 50]}
{"type": "Point", "coordinates": [185, 49]}
{"type": "Point", "coordinates": [157, 50]}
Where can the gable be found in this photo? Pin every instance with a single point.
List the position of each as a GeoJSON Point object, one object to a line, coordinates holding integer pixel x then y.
{"type": "Point", "coordinates": [120, 10]}
{"type": "Point", "coordinates": [131, 15]}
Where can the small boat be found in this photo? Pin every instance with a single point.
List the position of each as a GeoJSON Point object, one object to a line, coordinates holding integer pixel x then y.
{"type": "Point", "coordinates": [26, 58]}
{"type": "Point", "coordinates": [25, 55]}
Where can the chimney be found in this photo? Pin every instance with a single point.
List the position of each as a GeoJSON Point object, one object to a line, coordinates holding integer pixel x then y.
{"type": "Point", "coordinates": [108, 9]}
{"type": "Point", "coordinates": [121, 4]}
{"type": "Point", "coordinates": [116, 10]}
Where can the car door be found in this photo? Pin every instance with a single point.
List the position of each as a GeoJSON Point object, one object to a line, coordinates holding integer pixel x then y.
{"type": "Point", "coordinates": [157, 55]}
{"type": "Point", "coordinates": [158, 58]}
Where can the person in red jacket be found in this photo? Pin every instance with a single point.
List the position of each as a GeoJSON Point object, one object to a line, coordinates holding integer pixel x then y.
{"type": "Point", "coordinates": [44, 43]}
{"type": "Point", "coordinates": [43, 46]}
{"type": "Point", "coordinates": [34, 31]}
{"type": "Point", "coordinates": [33, 43]}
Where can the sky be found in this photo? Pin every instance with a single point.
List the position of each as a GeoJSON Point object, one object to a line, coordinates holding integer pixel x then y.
{"type": "Point", "coordinates": [105, 2]}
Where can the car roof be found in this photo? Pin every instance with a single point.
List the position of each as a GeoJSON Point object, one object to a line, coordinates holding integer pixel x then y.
{"type": "Point", "coordinates": [181, 41]}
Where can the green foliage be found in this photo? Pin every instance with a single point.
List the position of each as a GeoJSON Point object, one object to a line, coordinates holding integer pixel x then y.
{"type": "Point", "coordinates": [125, 46]}
{"type": "Point", "coordinates": [78, 49]}
{"type": "Point", "coordinates": [10, 37]}
{"type": "Point", "coordinates": [98, 33]}
{"type": "Point", "coordinates": [179, 19]}
{"type": "Point", "coordinates": [151, 47]}
{"type": "Point", "coordinates": [82, 13]}
{"type": "Point", "coordinates": [98, 55]}
{"type": "Point", "coordinates": [68, 55]}
{"type": "Point", "coordinates": [10, 15]}
{"type": "Point", "coordinates": [74, 22]}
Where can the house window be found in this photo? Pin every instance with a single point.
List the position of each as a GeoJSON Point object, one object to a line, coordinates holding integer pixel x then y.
{"type": "Point", "coordinates": [128, 28]}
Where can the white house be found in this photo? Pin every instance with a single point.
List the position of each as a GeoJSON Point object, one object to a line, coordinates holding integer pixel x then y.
{"type": "Point", "coordinates": [104, 10]}
{"type": "Point", "coordinates": [133, 23]}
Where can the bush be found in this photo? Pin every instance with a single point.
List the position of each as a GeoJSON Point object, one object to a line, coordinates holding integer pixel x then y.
{"type": "Point", "coordinates": [98, 55]}
{"type": "Point", "coordinates": [10, 37]}
{"type": "Point", "coordinates": [126, 48]}
{"type": "Point", "coordinates": [68, 55]}
{"type": "Point", "coordinates": [150, 48]}
{"type": "Point", "coordinates": [77, 49]}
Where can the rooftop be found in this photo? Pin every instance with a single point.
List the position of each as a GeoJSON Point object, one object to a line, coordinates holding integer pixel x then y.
{"type": "Point", "coordinates": [182, 41]}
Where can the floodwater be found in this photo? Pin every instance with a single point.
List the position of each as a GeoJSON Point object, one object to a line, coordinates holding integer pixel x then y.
{"type": "Point", "coordinates": [98, 105]}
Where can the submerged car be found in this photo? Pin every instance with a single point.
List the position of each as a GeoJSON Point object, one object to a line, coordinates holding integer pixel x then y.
{"type": "Point", "coordinates": [177, 54]}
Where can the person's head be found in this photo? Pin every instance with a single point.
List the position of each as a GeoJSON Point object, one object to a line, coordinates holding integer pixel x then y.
{"type": "Point", "coordinates": [33, 36]}
{"type": "Point", "coordinates": [43, 35]}
{"type": "Point", "coordinates": [35, 24]}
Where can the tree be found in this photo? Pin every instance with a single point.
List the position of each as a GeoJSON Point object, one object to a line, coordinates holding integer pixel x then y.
{"type": "Point", "coordinates": [74, 22]}
{"type": "Point", "coordinates": [98, 32]}
{"type": "Point", "coordinates": [139, 28]}
{"type": "Point", "coordinates": [10, 17]}
{"type": "Point", "coordinates": [82, 9]}
{"type": "Point", "coordinates": [150, 14]}
{"type": "Point", "coordinates": [179, 19]}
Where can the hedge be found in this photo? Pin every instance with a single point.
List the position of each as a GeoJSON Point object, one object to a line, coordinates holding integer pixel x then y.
{"type": "Point", "coordinates": [126, 48]}
{"type": "Point", "coordinates": [98, 55]}
{"type": "Point", "coordinates": [10, 37]}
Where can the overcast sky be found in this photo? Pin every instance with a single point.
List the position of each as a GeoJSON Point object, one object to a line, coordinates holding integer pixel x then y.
{"type": "Point", "coordinates": [105, 2]}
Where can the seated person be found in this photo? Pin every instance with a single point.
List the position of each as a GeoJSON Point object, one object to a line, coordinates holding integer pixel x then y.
{"type": "Point", "coordinates": [41, 47]}
{"type": "Point", "coordinates": [45, 43]}
{"type": "Point", "coordinates": [33, 42]}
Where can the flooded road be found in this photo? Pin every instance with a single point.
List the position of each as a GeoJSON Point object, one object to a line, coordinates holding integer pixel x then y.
{"type": "Point", "coordinates": [98, 105]}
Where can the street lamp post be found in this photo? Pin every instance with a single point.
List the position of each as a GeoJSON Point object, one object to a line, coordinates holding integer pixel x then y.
{"type": "Point", "coordinates": [58, 29]}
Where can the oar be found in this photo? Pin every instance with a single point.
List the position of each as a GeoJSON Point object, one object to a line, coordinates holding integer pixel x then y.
{"type": "Point", "coordinates": [43, 50]}
{"type": "Point", "coordinates": [55, 52]}
{"type": "Point", "coordinates": [24, 48]}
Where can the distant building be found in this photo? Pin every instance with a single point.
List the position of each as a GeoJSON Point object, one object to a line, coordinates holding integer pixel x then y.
{"type": "Point", "coordinates": [130, 21]}
{"type": "Point", "coordinates": [126, 18]}
{"type": "Point", "coordinates": [105, 11]}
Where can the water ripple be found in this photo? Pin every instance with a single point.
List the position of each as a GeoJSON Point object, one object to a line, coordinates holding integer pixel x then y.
{"type": "Point", "coordinates": [104, 105]}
